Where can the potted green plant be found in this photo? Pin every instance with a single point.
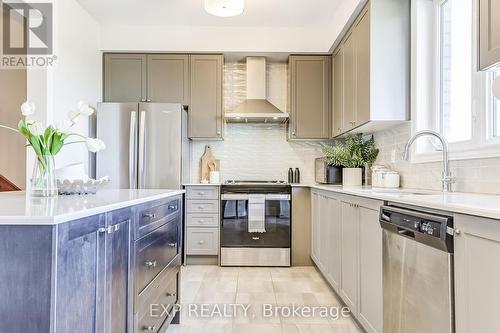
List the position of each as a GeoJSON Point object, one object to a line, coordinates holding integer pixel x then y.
{"type": "Point", "coordinates": [352, 155]}
{"type": "Point", "coordinates": [47, 141]}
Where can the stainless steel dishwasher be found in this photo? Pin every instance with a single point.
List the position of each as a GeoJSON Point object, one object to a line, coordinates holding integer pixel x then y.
{"type": "Point", "coordinates": [417, 271]}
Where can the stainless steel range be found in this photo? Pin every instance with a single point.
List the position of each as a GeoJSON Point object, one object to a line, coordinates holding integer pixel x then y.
{"type": "Point", "coordinates": [255, 223]}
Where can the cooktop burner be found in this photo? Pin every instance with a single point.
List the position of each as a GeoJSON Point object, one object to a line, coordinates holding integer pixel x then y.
{"type": "Point", "coordinates": [254, 182]}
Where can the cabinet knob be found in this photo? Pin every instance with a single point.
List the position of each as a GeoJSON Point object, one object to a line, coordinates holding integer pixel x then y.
{"type": "Point", "coordinates": [457, 231]}
{"type": "Point", "coordinates": [148, 100]}
{"type": "Point", "coordinates": [172, 244]}
{"type": "Point", "coordinates": [201, 242]}
{"type": "Point", "coordinates": [143, 100]}
{"type": "Point", "coordinates": [293, 133]}
{"type": "Point", "coordinates": [172, 207]}
{"type": "Point", "coordinates": [218, 132]}
{"type": "Point", "coordinates": [149, 328]}
{"type": "Point", "coordinates": [150, 263]}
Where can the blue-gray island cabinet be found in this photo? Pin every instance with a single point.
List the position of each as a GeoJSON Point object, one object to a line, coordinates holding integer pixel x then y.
{"type": "Point", "coordinates": [110, 271]}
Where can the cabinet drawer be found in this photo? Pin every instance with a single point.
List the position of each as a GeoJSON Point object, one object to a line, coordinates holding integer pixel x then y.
{"type": "Point", "coordinates": [202, 192]}
{"type": "Point", "coordinates": [202, 241]}
{"type": "Point", "coordinates": [154, 216]}
{"type": "Point", "coordinates": [202, 220]}
{"type": "Point", "coordinates": [153, 252]}
{"type": "Point", "coordinates": [160, 307]}
{"type": "Point", "coordinates": [202, 206]}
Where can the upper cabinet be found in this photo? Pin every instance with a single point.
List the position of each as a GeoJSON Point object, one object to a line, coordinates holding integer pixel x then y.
{"type": "Point", "coordinates": [125, 77]}
{"type": "Point", "coordinates": [369, 97]}
{"type": "Point", "coordinates": [489, 34]}
{"type": "Point", "coordinates": [194, 80]}
{"type": "Point", "coordinates": [205, 107]}
{"type": "Point", "coordinates": [310, 97]}
{"type": "Point", "coordinates": [168, 78]}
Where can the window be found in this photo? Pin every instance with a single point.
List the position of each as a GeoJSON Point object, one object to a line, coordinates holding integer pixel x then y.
{"type": "Point", "coordinates": [455, 69]}
{"type": "Point", "coordinates": [449, 94]}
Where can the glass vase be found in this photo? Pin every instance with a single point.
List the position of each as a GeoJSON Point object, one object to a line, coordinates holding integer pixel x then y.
{"type": "Point", "coordinates": [43, 182]}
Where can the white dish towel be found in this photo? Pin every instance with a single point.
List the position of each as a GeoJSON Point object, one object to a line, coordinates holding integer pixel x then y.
{"type": "Point", "coordinates": [256, 213]}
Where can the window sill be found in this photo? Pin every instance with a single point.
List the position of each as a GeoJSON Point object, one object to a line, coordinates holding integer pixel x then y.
{"type": "Point", "coordinates": [485, 151]}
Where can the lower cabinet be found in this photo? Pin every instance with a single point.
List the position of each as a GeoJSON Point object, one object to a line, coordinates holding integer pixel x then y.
{"type": "Point", "coordinates": [370, 267]}
{"type": "Point", "coordinates": [477, 272]}
{"type": "Point", "coordinates": [92, 273]}
{"type": "Point", "coordinates": [349, 277]}
{"type": "Point", "coordinates": [347, 248]}
{"type": "Point", "coordinates": [81, 276]}
{"type": "Point", "coordinates": [78, 276]}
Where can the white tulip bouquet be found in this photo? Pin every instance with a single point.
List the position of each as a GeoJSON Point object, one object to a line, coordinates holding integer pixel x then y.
{"type": "Point", "coordinates": [47, 141]}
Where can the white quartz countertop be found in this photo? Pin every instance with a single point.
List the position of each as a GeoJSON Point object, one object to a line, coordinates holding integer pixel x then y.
{"type": "Point", "coordinates": [484, 205]}
{"type": "Point", "coordinates": [19, 208]}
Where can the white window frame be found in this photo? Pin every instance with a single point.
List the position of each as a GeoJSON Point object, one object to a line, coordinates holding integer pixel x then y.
{"type": "Point", "coordinates": [484, 143]}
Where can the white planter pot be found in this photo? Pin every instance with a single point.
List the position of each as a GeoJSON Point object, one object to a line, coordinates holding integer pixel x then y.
{"type": "Point", "coordinates": [352, 177]}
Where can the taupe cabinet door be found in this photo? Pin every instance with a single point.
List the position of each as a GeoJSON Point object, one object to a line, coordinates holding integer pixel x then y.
{"type": "Point", "coordinates": [349, 84]}
{"type": "Point", "coordinates": [125, 77]}
{"type": "Point", "coordinates": [349, 277]}
{"type": "Point", "coordinates": [489, 33]}
{"type": "Point", "coordinates": [362, 81]}
{"type": "Point", "coordinates": [477, 272]}
{"type": "Point", "coordinates": [310, 94]}
{"type": "Point", "coordinates": [338, 92]}
{"type": "Point", "coordinates": [205, 108]}
{"type": "Point", "coordinates": [168, 78]}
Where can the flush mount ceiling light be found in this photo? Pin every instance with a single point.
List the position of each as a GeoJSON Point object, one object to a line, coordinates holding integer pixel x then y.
{"type": "Point", "coordinates": [224, 8]}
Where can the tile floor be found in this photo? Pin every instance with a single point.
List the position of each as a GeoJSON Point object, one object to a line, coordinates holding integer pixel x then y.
{"type": "Point", "coordinates": [275, 287]}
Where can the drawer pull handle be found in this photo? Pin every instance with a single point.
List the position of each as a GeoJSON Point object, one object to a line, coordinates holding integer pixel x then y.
{"type": "Point", "coordinates": [201, 242]}
{"type": "Point", "coordinates": [172, 244]}
{"type": "Point", "coordinates": [201, 207]}
{"type": "Point", "coordinates": [150, 216]}
{"type": "Point", "coordinates": [149, 328]}
{"type": "Point", "coordinates": [171, 294]}
{"type": "Point", "coordinates": [172, 207]}
{"type": "Point", "coordinates": [150, 263]}
{"type": "Point", "coordinates": [255, 238]}
{"type": "Point", "coordinates": [201, 193]}
{"type": "Point", "coordinates": [201, 221]}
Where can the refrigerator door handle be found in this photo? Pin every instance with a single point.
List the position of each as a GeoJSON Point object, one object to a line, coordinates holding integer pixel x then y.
{"type": "Point", "coordinates": [132, 151]}
{"type": "Point", "coordinates": [142, 148]}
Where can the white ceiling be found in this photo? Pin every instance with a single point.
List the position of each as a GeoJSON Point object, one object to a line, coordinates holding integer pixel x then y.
{"type": "Point", "coordinates": [258, 13]}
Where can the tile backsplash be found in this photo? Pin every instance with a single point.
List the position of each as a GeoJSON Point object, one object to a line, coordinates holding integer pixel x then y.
{"type": "Point", "coordinates": [472, 175]}
{"type": "Point", "coordinates": [258, 152]}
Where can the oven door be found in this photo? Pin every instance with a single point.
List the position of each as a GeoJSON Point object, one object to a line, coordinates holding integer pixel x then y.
{"type": "Point", "coordinates": [235, 222]}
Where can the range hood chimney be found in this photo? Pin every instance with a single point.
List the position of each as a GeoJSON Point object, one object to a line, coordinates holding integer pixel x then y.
{"type": "Point", "coordinates": [256, 108]}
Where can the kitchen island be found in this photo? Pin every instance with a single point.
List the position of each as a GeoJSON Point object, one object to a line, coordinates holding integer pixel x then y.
{"type": "Point", "coordinates": [94, 263]}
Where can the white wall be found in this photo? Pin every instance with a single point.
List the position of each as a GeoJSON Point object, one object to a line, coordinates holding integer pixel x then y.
{"type": "Point", "coordinates": [213, 39]}
{"type": "Point", "coordinates": [231, 39]}
{"type": "Point", "coordinates": [76, 76]}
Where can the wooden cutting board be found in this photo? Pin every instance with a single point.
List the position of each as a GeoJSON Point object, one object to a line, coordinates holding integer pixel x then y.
{"type": "Point", "coordinates": [206, 159]}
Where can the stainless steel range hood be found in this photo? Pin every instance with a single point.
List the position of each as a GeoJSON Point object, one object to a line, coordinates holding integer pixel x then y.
{"type": "Point", "coordinates": [256, 108]}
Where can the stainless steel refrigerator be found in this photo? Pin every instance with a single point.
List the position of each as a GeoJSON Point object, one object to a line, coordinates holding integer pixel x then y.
{"type": "Point", "coordinates": [146, 145]}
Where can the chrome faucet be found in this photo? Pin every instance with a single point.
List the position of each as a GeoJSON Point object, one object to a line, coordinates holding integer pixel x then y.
{"type": "Point", "coordinates": [447, 179]}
